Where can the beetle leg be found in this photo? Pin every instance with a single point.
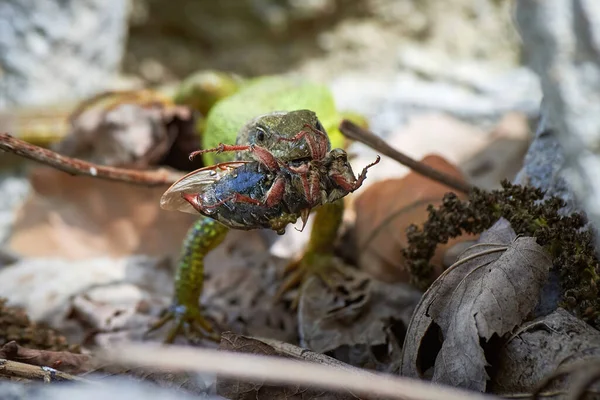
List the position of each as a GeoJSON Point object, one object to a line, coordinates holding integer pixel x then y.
{"type": "Point", "coordinates": [263, 155]}
{"type": "Point", "coordinates": [310, 184]}
{"type": "Point", "coordinates": [302, 172]}
{"type": "Point", "coordinates": [276, 192]}
{"type": "Point", "coordinates": [316, 143]}
{"type": "Point", "coordinates": [348, 186]}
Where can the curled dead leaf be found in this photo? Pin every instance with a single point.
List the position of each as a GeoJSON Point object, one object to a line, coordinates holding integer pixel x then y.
{"type": "Point", "coordinates": [387, 208]}
{"type": "Point", "coordinates": [132, 129]}
{"type": "Point", "coordinates": [361, 324]}
{"type": "Point", "coordinates": [543, 351]}
{"type": "Point", "coordinates": [491, 289]}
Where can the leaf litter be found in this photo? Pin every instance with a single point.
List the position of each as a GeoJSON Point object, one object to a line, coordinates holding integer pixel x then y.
{"type": "Point", "coordinates": [490, 290]}
{"type": "Point", "coordinates": [387, 208]}
{"type": "Point", "coordinates": [486, 293]}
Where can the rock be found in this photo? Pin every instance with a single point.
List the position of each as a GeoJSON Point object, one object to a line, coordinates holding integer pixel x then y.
{"type": "Point", "coordinates": [108, 388]}
{"type": "Point", "coordinates": [58, 50]}
{"type": "Point", "coordinates": [561, 40]}
{"type": "Point", "coordinates": [541, 347]}
{"type": "Point", "coordinates": [328, 36]}
{"type": "Point", "coordinates": [475, 92]}
{"type": "Point", "coordinates": [46, 287]}
{"type": "Point", "coordinates": [14, 187]}
{"type": "Point", "coordinates": [544, 163]}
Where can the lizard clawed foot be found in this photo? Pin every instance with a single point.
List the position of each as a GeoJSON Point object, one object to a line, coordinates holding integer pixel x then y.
{"type": "Point", "coordinates": [188, 321]}
{"type": "Point", "coordinates": [323, 266]}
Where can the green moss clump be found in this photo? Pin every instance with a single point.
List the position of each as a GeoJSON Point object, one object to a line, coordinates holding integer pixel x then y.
{"type": "Point", "coordinates": [16, 325]}
{"type": "Point", "coordinates": [572, 248]}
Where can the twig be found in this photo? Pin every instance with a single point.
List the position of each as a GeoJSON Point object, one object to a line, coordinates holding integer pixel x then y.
{"type": "Point", "coordinates": [355, 132]}
{"type": "Point", "coordinates": [276, 370]}
{"type": "Point", "coordinates": [32, 372]}
{"type": "Point", "coordinates": [75, 166]}
{"type": "Point", "coordinates": [64, 361]}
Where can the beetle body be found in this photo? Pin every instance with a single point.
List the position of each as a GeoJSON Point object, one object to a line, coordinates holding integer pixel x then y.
{"type": "Point", "coordinates": [248, 195]}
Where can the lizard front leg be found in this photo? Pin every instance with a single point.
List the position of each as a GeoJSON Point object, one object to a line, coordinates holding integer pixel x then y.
{"type": "Point", "coordinates": [185, 313]}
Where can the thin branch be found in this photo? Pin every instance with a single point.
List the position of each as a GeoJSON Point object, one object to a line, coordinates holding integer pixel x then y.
{"type": "Point", "coordinates": [277, 370]}
{"type": "Point", "coordinates": [355, 132]}
{"type": "Point", "coordinates": [75, 166]}
{"type": "Point", "coordinates": [46, 374]}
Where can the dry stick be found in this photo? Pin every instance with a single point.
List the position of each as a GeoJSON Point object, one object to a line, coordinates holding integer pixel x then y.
{"type": "Point", "coordinates": [277, 370]}
{"type": "Point", "coordinates": [32, 372]}
{"type": "Point", "coordinates": [355, 132]}
{"type": "Point", "coordinates": [75, 166]}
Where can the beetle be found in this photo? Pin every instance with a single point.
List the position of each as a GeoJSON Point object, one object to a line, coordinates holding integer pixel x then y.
{"type": "Point", "coordinates": [266, 193]}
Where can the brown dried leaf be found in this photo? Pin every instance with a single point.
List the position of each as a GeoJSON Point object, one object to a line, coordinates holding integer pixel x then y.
{"type": "Point", "coordinates": [133, 129]}
{"type": "Point", "coordinates": [242, 390]}
{"type": "Point", "coordinates": [360, 323]}
{"type": "Point", "coordinates": [387, 208]}
{"type": "Point", "coordinates": [80, 217]}
{"type": "Point", "coordinates": [242, 278]}
{"type": "Point", "coordinates": [493, 287]}
{"type": "Point", "coordinates": [556, 342]}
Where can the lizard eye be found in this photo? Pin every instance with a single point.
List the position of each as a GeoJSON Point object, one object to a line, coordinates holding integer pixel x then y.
{"type": "Point", "coordinates": [260, 135]}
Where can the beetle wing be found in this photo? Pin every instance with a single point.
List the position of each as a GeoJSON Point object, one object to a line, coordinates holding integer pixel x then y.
{"type": "Point", "coordinates": [193, 183]}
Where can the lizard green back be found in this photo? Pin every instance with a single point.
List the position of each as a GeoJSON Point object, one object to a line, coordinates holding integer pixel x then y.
{"type": "Point", "coordinates": [264, 95]}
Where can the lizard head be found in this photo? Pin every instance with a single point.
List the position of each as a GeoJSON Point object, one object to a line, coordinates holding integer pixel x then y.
{"type": "Point", "coordinates": [279, 133]}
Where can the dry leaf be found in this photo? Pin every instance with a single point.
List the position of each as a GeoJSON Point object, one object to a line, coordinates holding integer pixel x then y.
{"type": "Point", "coordinates": [241, 280]}
{"type": "Point", "coordinates": [387, 208]}
{"type": "Point", "coordinates": [541, 347]}
{"type": "Point", "coordinates": [243, 390]}
{"type": "Point", "coordinates": [80, 217]}
{"type": "Point", "coordinates": [493, 287]}
{"type": "Point", "coordinates": [133, 129]}
{"type": "Point", "coordinates": [361, 324]}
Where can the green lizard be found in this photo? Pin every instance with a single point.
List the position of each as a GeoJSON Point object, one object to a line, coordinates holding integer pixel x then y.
{"type": "Point", "coordinates": [227, 122]}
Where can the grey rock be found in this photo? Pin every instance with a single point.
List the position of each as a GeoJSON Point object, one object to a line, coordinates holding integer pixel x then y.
{"type": "Point", "coordinates": [473, 91]}
{"type": "Point", "coordinates": [561, 40]}
{"type": "Point", "coordinates": [48, 287]}
{"type": "Point", "coordinates": [14, 187]}
{"type": "Point", "coordinates": [58, 49]}
{"type": "Point", "coordinates": [109, 388]}
{"type": "Point", "coordinates": [544, 164]}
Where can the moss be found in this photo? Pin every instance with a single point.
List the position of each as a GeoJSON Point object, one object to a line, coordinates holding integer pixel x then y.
{"type": "Point", "coordinates": [571, 247]}
{"type": "Point", "coordinates": [16, 325]}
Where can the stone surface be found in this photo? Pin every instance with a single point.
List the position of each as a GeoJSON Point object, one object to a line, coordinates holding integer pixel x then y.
{"type": "Point", "coordinates": [58, 49]}
{"type": "Point", "coordinates": [544, 164]}
{"type": "Point", "coordinates": [561, 40]}
{"type": "Point", "coordinates": [14, 187]}
{"type": "Point", "coordinates": [46, 287]}
{"type": "Point", "coordinates": [317, 38]}
{"type": "Point", "coordinates": [109, 388]}
{"type": "Point", "coordinates": [474, 91]}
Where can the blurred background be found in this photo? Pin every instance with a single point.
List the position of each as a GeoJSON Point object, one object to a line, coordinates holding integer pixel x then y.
{"type": "Point", "coordinates": [388, 60]}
